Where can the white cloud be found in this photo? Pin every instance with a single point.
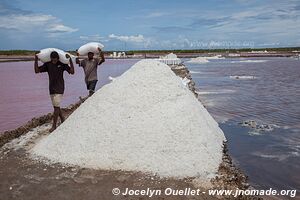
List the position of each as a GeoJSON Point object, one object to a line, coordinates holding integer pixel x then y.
{"type": "Point", "coordinates": [21, 22]}
{"type": "Point", "coordinates": [32, 22]}
{"type": "Point", "coordinates": [149, 15]}
{"type": "Point", "coordinates": [124, 38]}
{"type": "Point", "coordinates": [156, 14]}
{"type": "Point", "coordinates": [60, 28]}
{"type": "Point", "coordinates": [96, 37]}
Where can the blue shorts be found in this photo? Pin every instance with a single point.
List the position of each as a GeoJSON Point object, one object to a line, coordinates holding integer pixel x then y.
{"type": "Point", "coordinates": [91, 85]}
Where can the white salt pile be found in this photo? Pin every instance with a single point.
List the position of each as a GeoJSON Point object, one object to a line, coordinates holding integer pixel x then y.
{"type": "Point", "coordinates": [198, 60]}
{"type": "Point", "coordinates": [170, 59]}
{"type": "Point", "coordinates": [205, 59]}
{"type": "Point", "coordinates": [242, 77]}
{"type": "Point", "coordinates": [145, 120]}
{"type": "Point", "coordinates": [217, 57]}
{"type": "Point", "coordinates": [249, 61]}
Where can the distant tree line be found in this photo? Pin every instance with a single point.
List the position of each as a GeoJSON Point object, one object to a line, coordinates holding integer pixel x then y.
{"type": "Point", "coordinates": [131, 52]}
{"type": "Point", "coordinates": [281, 49]}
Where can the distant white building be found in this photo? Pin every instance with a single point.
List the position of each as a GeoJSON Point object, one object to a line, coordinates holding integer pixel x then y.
{"type": "Point", "coordinates": [170, 59]}
{"type": "Point", "coordinates": [118, 54]}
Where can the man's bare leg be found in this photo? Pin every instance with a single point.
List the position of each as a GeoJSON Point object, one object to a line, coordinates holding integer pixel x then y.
{"type": "Point", "coordinates": [55, 117]}
{"type": "Point", "coordinates": [91, 92]}
{"type": "Point", "coordinates": [62, 119]}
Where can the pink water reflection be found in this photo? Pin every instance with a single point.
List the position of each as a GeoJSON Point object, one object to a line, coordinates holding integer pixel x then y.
{"type": "Point", "coordinates": [25, 95]}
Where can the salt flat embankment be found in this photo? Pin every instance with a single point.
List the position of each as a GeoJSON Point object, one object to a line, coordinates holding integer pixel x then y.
{"type": "Point", "coordinates": [145, 120]}
{"type": "Point", "coordinates": [167, 97]}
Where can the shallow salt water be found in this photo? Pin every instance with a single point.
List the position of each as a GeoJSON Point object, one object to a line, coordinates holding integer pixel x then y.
{"type": "Point", "coordinates": [270, 158]}
{"type": "Point", "coordinates": [271, 95]}
{"type": "Point", "coordinates": [25, 95]}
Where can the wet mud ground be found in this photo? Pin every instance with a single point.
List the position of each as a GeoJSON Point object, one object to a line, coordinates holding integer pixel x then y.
{"type": "Point", "coordinates": [23, 178]}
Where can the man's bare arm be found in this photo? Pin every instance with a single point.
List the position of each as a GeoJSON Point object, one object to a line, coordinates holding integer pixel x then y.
{"type": "Point", "coordinates": [77, 59]}
{"type": "Point", "coordinates": [101, 56]}
{"type": "Point", "coordinates": [72, 71]}
{"type": "Point", "coordinates": [36, 64]}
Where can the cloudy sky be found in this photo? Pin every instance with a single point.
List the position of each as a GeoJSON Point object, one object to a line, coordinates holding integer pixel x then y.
{"type": "Point", "coordinates": [149, 24]}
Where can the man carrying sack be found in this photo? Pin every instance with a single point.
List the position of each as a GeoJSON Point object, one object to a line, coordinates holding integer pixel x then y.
{"type": "Point", "coordinates": [90, 65]}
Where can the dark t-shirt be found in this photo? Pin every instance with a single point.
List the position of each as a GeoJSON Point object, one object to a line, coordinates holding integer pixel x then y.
{"type": "Point", "coordinates": [56, 76]}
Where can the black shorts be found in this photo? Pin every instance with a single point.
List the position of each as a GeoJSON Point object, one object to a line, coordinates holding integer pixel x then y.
{"type": "Point", "coordinates": [91, 85]}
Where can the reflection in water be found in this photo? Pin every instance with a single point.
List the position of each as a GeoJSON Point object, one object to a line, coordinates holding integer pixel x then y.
{"type": "Point", "coordinates": [271, 158]}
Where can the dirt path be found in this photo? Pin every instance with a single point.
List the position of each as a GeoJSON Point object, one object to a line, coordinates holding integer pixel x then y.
{"type": "Point", "coordinates": [22, 178]}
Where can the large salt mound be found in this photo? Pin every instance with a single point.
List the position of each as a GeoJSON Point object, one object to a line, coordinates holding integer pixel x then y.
{"type": "Point", "coordinates": [145, 120]}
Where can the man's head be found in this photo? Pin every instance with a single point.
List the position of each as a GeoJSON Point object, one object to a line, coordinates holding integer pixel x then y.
{"type": "Point", "coordinates": [54, 57]}
{"type": "Point", "coordinates": [90, 55]}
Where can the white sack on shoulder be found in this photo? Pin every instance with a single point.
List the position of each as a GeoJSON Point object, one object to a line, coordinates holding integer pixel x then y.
{"type": "Point", "coordinates": [90, 47]}
{"type": "Point", "coordinates": [44, 55]}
